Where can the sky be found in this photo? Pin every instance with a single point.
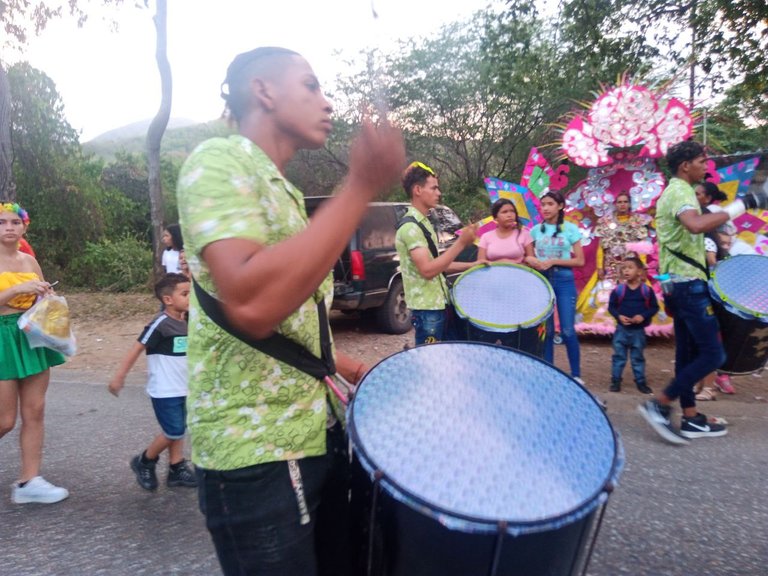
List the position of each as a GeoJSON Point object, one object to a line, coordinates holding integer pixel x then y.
{"type": "Point", "coordinates": [109, 79]}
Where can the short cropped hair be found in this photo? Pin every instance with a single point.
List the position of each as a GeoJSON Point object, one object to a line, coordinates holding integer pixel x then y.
{"type": "Point", "coordinates": [416, 175]}
{"type": "Point", "coordinates": [636, 261]}
{"type": "Point", "coordinates": [167, 284]}
{"type": "Point", "coordinates": [235, 88]}
{"type": "Point", "coordinates": [683, 152]}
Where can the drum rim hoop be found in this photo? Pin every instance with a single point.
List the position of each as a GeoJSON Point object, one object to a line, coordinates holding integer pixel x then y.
{"type": "Point", "coordinates": [408, 498]}
{"type": "Point", "coordinates": [717, 293]}
{"type": "Point", "coordinates": [506, 327]}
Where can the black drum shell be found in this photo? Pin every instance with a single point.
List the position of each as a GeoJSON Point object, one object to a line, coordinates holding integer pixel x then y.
{"type": "Point", "coordinates": [407, 543]}
{"type": "Point", "coordinates": [745, 342]}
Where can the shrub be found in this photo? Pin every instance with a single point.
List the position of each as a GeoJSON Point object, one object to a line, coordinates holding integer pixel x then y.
{"type": "Point", "coordinates": [113, 265]}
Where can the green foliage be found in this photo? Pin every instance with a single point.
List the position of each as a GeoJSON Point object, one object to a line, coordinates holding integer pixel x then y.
{"type": "Point", "coordinates": [114, 265]}
{"type": "Point", "coordinates": [177, 143]}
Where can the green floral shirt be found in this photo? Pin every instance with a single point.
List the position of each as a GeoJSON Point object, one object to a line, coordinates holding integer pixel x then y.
{"type": "Point", "coordinates": [678, 197]}
{"type": "Point", "coordinates": [420, 293]}
{"type": "Point", "coordinates": [245, 407]}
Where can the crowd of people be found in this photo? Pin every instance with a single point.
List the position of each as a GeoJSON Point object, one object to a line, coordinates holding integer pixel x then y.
{"type": "Point", "coordinates": [271, 463]}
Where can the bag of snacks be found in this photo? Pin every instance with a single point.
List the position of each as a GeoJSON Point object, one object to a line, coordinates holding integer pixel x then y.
{"type": "Point", "coordinates": [46, 324]}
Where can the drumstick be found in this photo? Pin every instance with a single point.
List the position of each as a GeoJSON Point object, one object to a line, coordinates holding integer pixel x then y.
{"type": "Point", "coordinates": [378, 94]}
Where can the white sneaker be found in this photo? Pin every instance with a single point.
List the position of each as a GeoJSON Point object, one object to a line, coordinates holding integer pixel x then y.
{"type": "Point", "coordinates": [579, 380]}
{"type": "Point", "coordinates": [38, 490]}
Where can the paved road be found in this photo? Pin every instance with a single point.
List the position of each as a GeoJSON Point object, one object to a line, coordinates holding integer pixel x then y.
{"type": "Point", "coordinates": [700, 510]}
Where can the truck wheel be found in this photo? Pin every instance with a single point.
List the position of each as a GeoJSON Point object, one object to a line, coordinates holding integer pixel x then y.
{"type": "Point", "coordinates": [393, 317]}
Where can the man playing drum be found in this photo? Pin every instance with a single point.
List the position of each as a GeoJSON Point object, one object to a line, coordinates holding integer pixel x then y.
{"type": "Point", "coordinates": [698, 348]}
{"type": "Point", "coordinates": [426, 290]}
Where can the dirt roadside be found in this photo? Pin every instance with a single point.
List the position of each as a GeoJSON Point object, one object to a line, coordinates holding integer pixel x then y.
{"type": "Point", "coordinates": [106, 325]}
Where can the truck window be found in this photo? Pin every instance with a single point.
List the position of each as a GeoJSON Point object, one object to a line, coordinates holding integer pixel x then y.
{"type": "Point", "coordinates": [378, 228]}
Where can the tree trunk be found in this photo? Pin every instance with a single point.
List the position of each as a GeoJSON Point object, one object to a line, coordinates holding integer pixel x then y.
{"type": "Point", "coordinates": [156, 131]}
{"type": "Point", "coordinates": [7, 188]}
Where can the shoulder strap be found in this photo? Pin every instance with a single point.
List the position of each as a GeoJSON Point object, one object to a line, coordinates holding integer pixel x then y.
{"type": "Point", "coordinates": [690, 261]}
{"type": "Point", "coordinates": [427, 235]}
{"type": "Point", "coordinates": [278, 346]}
{"type": "Point", "coordinates": [645, 290]}
{"type": "Point", "coordinates": [621, 291]}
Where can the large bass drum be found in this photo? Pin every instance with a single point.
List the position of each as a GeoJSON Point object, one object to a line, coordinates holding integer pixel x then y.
{"type": "Point", "coordinates": [505, 304]}
{"type": "Point", "coordinates": [463, 465]}
{"type": "Point", "coordinates": [739, 288]}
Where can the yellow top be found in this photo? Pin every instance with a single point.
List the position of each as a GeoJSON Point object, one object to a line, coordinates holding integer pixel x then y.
{"type": "Point", "coordinates": [9, 279]}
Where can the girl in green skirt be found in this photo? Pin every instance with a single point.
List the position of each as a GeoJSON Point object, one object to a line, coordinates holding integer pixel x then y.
{"type": "Point", "coordinates": [24, 371]}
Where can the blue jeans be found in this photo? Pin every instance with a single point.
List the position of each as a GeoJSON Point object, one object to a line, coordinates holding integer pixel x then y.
{"type": "Point", "coordinates": [254, 518]}
{"type": "Point", "coordinates": [698, 344]}
{"type": "Point", "coordinates": [429, 326]}
{"type": "Point", "coordinates": [564, 285]}
{"type": "Point", "coordinates": [630, 340]}
{"type": "Point", "coordinates": [171, 414]}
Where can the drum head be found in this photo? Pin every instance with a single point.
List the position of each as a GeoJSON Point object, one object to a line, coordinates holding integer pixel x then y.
{"type": "Point", "coordinates": [739, 283]}
{"type": "Point", "coordinates": [473, 434]}
{"type": "Point", "coordinates": [503, 297]}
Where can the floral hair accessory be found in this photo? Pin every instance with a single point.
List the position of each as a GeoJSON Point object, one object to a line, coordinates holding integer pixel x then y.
{"type": "Point", "coordinates": [16, 209]}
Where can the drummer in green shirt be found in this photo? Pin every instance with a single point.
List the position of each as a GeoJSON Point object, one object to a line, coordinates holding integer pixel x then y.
{"type": "Point", "coordinates": [272, 478]}
{"type": "Point", "coordinates": [426, 291]}
{"type": "Point", "coordinates": [698, 348]}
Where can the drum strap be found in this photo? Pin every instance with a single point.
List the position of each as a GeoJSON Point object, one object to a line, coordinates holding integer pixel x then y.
{"type": "Point", "coordinates": [690, 261]}
{"type": "Point", "coordinates": [430, 244]}
{"type": "Point", "coordinates": [278, 346]}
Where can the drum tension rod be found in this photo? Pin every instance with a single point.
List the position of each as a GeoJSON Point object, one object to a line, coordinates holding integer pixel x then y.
{"type": "Point", "coordinates": [502, 530]}
{"type": "Point", "coordinates": [608, 488]}
{"type": "Point", "coordinates": [378, 475]}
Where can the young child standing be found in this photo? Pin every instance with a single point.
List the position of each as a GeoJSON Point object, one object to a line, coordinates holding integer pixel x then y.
{"type": "Point", "coordinates": [165, 342]}
{"type": "Point", "coordinates": [633, 304]}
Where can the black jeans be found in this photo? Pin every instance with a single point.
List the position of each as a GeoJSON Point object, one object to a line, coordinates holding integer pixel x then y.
{"type": "Point", "coordinates": [253, 515]}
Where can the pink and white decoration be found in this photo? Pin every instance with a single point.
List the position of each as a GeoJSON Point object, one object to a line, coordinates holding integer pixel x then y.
{"type": "Point", "coordinates": [622, 117]}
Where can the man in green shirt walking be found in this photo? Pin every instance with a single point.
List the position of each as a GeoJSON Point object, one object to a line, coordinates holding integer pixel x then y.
{"type": "Point", "coordinates": [680, 227]}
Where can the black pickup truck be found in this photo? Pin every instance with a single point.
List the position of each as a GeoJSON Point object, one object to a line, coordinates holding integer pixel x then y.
{"type": "Point", "coordinates": [367, 275]}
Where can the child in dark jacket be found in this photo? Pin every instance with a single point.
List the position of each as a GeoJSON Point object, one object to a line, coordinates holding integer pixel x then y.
{"type": "Point", "coordinates": [633, 304]}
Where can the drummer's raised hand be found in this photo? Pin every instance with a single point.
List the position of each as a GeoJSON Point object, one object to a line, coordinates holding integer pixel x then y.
{"type": "Point", "coordinates": [376, 157]}
{"type": "Point", "coordinates": [468, 234]}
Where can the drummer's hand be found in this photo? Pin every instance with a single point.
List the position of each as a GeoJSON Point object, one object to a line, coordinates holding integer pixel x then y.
{"type": "Point", "coordinates": [468, 234]}
{"type": "Point", "coordinates": [376, 157]}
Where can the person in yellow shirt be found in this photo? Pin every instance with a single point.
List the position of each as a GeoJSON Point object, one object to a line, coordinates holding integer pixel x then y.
{"type": "Point", "coordinates": [24, 371]}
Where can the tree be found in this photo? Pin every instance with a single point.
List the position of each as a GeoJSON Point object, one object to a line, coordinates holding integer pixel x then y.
{"type": "Point", "coordinates": [157, 128]}
{"type": "Point", "coordinates": [728, 38]}
{"type": "Point", "coordinates": [20, 18]}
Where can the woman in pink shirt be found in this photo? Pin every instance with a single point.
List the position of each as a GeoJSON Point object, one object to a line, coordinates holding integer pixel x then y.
{"type": "Point", "coordinates": [510, 241]}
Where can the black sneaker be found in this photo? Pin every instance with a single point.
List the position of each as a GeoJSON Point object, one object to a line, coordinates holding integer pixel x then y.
{"type": "Point", "coordinates": [615, 386]}
{"type": "Point", "coordinates": [180, 475]}
{"type": "Point", "coordinates": [644, 389]}
{"type": "Point", "coordinates": [658, 417]}
{"type": "Point", "coordinates": [145, 472]}
{"type": "Point", "coordinates": [700, 427]}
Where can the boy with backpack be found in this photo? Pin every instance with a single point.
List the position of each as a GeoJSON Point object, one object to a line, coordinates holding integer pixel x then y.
{"type": "Point", "coordinates": [633, 304]}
